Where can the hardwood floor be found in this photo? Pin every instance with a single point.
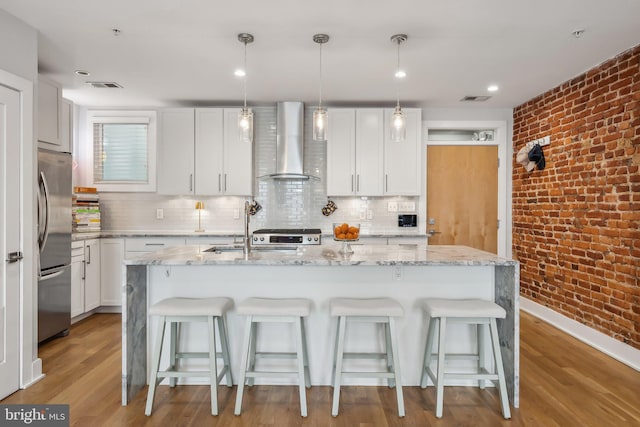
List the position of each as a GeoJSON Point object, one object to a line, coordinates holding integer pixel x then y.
{"type": "Point", "coordinates": [563, 383]}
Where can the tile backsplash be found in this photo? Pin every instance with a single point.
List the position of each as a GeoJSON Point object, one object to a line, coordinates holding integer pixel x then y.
{"type": "Point", "coordinates": [285, 203]}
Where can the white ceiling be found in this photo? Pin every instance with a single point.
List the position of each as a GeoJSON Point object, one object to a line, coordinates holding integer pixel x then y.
{"type": "Point", "coordinates": [184, 52]}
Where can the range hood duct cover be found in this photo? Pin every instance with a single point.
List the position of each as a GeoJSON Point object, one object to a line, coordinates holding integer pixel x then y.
{"type": "Point", "coordinates": [290, 141]}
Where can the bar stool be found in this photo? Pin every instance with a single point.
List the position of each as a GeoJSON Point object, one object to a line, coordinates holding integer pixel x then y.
{"type": "Point", "coordinates": [174, 311]}
{"type": "Point", "coordinates": [376, 310]}
{"type": "Point", "coordinates": [473, 311]}
{"type": "Point", "coordinates": [258, 310]}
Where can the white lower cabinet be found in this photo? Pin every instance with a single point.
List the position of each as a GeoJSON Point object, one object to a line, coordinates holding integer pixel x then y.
{"type": "Point", "coordinates": [85, 276]}
{"type": "Point", "coordinates": [111, 271]}
{"type": "Point", "coordinates": [77, 278]}
{"type": "Point", "coordinates": [92, 274]}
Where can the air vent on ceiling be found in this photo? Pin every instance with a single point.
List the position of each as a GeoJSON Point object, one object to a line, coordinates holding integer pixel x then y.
{"type": "Point", "coordinates": [478, 98]}
{"type": "Point", "coordinates": [104, 85]}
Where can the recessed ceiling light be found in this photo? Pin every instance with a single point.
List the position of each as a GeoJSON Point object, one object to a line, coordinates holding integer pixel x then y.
{"type": "Point", "coordinates": [578, 33]}
{"type": "Point", "coordinates": [116, 31]}
{"type": "Point", "coordinates": [492, 88]}
{"type": "Point", "coordinates": [239, 73]}
{"type": "Point", "coordinates": [82, 73]}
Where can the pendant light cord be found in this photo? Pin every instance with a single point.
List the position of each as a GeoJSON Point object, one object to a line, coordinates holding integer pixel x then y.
{"type": "Point", "coordinates": [245, 76]}
{"type": "Point", "coordinates": [320, 99]}
{"type": "Point", "coordinates": [397, 70]}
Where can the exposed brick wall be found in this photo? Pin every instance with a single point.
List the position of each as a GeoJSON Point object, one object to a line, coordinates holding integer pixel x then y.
{"type": "Point", "coordinates": [576, 224]}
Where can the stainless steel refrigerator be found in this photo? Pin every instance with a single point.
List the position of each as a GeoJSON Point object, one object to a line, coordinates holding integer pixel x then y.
{"type": "Point", "coordinates": [54, 240]}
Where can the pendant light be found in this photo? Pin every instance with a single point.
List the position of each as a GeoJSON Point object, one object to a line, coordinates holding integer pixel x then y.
{"type": "Point", "coordinates": [320, 115]}
{"type": "Point", "coordinates": [245, 117]}
{"type": "Point", "coordinates": [398, 119]}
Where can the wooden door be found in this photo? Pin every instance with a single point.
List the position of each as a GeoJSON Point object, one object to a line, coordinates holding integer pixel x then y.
{"type": "Point", "coordinates": [462, 196]}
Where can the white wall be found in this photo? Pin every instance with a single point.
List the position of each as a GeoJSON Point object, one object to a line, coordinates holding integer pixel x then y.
{"type": "Point", "coordinates": [19, 58]}
{"type": "Point", "coordinates": [18, 47]}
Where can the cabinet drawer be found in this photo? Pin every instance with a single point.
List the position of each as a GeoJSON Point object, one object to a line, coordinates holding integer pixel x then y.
{"type": "Point", "coordinates": [151, 244]}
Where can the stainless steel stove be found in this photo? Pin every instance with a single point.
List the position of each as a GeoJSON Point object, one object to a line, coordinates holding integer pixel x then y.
{"type": "Point", "coordinates": [287, 236]}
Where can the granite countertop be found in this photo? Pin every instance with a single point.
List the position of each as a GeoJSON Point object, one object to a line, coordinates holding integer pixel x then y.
{"type": "Point", "coordinates": [149, 233]}
{"type": "Point", "coordinates": [327, 255]}
{"type": "Point", "coordinates": [193, 234]}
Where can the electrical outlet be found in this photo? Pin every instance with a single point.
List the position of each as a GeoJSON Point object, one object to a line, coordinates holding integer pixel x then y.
{"type": "Point", "coordinates": [369, 214]}
{"type": "Point", "coordinates": [392, 207]}
{"type": "Point", "coordinates": [159, 213]}
{"type": "Point", "coordinates": [397, 272]}
{"type": "Point", "coordinates": [236, 213]}
{"type": "Point", "coordinates": [363, 214]}
{"type": "Point", "coordinates": [406, 206]}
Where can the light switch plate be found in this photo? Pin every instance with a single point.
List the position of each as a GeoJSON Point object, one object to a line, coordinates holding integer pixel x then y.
{"type": "Point", "coordinates": [392, 207]}
{"type": "Point", "coordinates": [159, 213]}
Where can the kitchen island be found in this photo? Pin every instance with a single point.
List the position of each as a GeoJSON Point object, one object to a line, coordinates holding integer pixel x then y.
{"type": "Point", "coordinates": [404, 272]}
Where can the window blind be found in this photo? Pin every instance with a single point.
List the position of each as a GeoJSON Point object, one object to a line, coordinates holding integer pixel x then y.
{"type": "Point", "coordinates": [120, 152]}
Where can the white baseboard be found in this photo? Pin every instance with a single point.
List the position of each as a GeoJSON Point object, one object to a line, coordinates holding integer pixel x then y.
{"type": "Point", "coordinates": [602, 342]}
{"type": "Point", "coordinates": [36, 373]}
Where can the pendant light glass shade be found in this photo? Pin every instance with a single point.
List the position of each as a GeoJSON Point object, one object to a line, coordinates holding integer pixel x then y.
{"type": "Point", "coordinates": [398, 125]}
{"type": "Point", "coordinates": [320, 124]}
{"type": "Point", "coordinates": [320, 114]}
{"type": "Point", "coordinates": [245, 116]}
{"type": "Point", "coordinates": [398, 119]}
{"type": "Point", "coordinates": [245, 125]}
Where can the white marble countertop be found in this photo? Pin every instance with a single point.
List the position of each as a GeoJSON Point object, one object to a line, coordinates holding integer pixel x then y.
{"type": "Point", "coordinates": [326, 255]}
{"type": "Point", "coordinates": [193, 234]}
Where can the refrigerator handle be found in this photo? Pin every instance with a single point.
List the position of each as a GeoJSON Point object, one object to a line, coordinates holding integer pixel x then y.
{"type": "Point", "coordinates": [50, 276]}
{"type": "Point", "coordinates": [42, 237]}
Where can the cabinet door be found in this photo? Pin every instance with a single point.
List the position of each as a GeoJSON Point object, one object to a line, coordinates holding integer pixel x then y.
{"type": "Point", "coordinates": [369, 151]}
{"type": "Point", "coordinates": [49, 113]}
{"type": "Point", "coordinates": [77, 285]}
{"type": "Point", "coordinates": [66, 130]}
{"type": "Point", "coordinates": [237, 177]}
{"type": "Point", "coordinates": [402, 159]}
{"type": "Point", "coordinates": [111, 271]}
{"type": "Point", "coordinates": [209, 136]}
{"type": "Point", "coordinates": [341, 152]}
{"type": "Point", "coordinates": [176, 152]}
{"type": "Point", "coordinates": [92, 275]}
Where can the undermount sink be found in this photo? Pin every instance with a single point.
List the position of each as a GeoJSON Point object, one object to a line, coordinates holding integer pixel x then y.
{"type": "Point", "coordinates": [238, 248]}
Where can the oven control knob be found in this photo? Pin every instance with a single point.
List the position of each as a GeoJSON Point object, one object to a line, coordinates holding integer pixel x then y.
{"type": "Point", "coordinates": [262, 239]}
{"type": "Point", "coordinates": [315, 239]}
{"type": "Point", "coordinates": [308, 239]}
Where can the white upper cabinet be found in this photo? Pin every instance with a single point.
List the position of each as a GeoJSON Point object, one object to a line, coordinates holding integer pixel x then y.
{"type": "Point", "coordinates": [176, 152]}
{"type": "Point", "coordinates": [341, 152]}
{"type": "Point", "coordinates": [402, 159]}
{"type": "Point", "coordinates": [50, 116]}
{"type": "Point", "coordinates": [200, 153]}
{"type": "Point", "coordinates": [238, 158]}
{"type": "Point", "coordinates": [355, 152]}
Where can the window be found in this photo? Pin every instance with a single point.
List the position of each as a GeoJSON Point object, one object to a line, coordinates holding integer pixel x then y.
{"type": "Point", "coordinates": [123, 150]}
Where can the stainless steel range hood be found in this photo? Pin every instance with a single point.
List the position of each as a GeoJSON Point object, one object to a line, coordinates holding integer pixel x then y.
{"type": "Point", "coordinates": [290, 142]}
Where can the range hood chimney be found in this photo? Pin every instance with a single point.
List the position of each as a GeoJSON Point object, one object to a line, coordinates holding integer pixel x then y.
{"type": "Point", "coordinates": [290, 141]}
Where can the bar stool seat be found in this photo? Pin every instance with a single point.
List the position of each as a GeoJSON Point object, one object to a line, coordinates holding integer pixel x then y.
{"type": "Point", "coordinates": [175, 311]}
{"type": "Point", "coordinates": [376, 310]}
{"type": "Point", "coordinates": [470, 311]}
{"type": "Point", "coordinates": [258, 310]}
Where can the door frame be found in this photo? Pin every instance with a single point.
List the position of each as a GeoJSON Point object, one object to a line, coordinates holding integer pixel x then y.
{"type": "Point", "coordinates": [30, 364]}
{"type": "Point", "coordinates": [505, 167]}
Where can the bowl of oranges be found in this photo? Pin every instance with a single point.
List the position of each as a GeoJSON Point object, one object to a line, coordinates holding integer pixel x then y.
{"type": "Point", "coordinates": [346, 232]}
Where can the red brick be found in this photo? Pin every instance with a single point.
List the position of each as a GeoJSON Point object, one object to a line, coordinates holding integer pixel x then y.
{"type": "Point", "coordinates": [576, 225]}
